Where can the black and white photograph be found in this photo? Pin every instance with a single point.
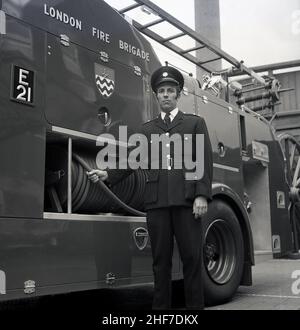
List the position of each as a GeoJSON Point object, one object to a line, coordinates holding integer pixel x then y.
{"type": "Point", "coordinates": [149, 159]}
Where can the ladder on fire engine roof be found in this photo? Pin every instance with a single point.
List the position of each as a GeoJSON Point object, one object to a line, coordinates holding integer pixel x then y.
{"type": "Point", "coordinates": [200, 41]}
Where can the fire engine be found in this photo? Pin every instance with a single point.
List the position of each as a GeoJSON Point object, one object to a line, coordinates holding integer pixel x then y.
{"type": "Point", "coordinates": [73, 70]}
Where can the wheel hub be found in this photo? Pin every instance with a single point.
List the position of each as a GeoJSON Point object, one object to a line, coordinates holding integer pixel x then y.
{"type": "Point", "coordinates": [220, 251]}
{"type": "Point", "coordinates": [211, 252]}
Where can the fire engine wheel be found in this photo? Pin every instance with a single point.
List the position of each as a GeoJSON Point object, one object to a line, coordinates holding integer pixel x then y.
{"type": "Point", "coordinates": [223, 253]}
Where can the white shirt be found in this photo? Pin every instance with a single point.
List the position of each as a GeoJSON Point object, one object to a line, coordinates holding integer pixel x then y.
{"type": "Point", "coordinates": [173, 113]}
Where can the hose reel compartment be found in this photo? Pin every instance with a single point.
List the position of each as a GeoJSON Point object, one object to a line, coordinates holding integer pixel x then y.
{"type": "Point", "coordinates": [86, 197]}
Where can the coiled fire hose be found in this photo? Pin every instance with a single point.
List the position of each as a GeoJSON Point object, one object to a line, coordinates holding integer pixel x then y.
{"type": "Point", "coordinates": [126, 196]}
{"type": "Point", "coordinates": [108, 192]}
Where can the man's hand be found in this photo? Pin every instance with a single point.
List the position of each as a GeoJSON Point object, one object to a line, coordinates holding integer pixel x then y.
{"type": "Point", "coordinates": [200, 206]}
{"type": "Point", "coordinates": [96, 175]}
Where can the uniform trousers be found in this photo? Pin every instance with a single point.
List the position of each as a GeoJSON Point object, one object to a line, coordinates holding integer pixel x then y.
{"type": "Point", "coordinates": [163, 225]}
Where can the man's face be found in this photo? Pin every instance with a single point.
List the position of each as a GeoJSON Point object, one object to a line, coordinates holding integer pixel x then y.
{"type": "Point", "coordinates": [167, 97]}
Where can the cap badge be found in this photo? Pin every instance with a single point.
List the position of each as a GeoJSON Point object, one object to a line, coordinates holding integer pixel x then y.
{"type": "Point", "coordinates": [165, 74]}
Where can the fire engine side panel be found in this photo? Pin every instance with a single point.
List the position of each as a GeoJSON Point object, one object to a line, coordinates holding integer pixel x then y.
{"type": "Point", "coordinates": [60, 255]}
{"type": "Point", "coordinates": [73, 100]}
{"type": "Point", "coordinates": [224, 134]}
{"type": "Point", "coordinates": [259, 131]}
{"type": "Point", "coordinates": [281, 224]}
{"type": "Point", "coordinates": [22, 131]}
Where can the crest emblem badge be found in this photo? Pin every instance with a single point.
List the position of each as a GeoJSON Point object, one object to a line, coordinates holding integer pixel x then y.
{"type": "Point", "coordinates": [141, 237]}
{"type": "Point", "coordinates": [105, 80]}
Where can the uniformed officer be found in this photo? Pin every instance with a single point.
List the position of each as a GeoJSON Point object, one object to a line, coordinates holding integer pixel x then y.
{"type": "Point", "coordinates": [174, 204]}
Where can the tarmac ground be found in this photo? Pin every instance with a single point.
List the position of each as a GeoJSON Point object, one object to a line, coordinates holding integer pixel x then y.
{"type": "Point", "coordinates": [273, 288]}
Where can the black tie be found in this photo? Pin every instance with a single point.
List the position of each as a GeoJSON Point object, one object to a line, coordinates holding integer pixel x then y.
{"type": "Point", "coordinates": [167, 119]}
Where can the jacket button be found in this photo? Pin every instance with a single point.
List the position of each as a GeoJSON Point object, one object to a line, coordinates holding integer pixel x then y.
{"type": "Point", "coordinates": [167, 134]}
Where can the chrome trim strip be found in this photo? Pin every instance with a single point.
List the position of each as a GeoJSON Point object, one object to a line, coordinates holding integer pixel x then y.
{"type": "Point", "coordinates": [228, 168]}
{"type": "Point", "coordinates": [86, 136]}
{"type": "Point", "coordinates": [109, 217]}
{"type": "Point", "coordinates": [74, 133]}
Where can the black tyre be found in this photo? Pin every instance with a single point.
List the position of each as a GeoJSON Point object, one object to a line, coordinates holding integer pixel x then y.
{"type": "Point", "coordinates": [223, 253]}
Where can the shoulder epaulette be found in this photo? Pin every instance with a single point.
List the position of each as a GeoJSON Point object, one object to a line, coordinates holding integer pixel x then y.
{"type": "Point", "coordinates": [149, 121]}
{"type": "Point", "coordinates": [191, 114]}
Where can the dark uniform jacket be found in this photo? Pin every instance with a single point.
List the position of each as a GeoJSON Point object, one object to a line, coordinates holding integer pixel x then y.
{"type": "Point", "coordinates": [168, 186]}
